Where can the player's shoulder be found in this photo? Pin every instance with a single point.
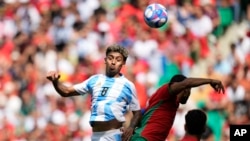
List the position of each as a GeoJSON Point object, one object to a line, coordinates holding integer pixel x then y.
{"type": "Point", "coordinates": [128, 82]}
{"type": "Point", "coordinates": [95, 77]}
{"type": "Point", "coordinates": [163, 88]}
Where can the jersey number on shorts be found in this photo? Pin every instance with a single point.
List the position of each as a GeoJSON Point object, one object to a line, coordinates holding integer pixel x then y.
{"type": "Point", "coordinates": [104, 91]}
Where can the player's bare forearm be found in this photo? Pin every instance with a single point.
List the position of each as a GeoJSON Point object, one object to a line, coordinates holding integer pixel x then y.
{"type": "Point", "coordinates": [215, 84]}
{"type": "Point", "coordinates": [136, 118]}
{"type": "Point", "coordinates": [64, 91]}
{"type": "Point", "coordinates": [195, 82]}
{"type": "Point", "coordinates": [133, 123]}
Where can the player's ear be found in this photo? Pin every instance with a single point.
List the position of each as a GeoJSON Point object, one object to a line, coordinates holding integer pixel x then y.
{"type": "Point", "coordinates": [105, 60]}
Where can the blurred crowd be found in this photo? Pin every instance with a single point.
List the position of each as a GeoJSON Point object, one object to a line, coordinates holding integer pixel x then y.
{"type": "Point", "coordinates": [71, 36]}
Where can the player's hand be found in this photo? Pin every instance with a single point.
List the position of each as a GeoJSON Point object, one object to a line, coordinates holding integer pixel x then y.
{"type": "Point", "coordinates": [217, 85]}
{"type": "Point", "coordinates": [127, 133]}
{"type": "Point", "coordinates": [53, 76]}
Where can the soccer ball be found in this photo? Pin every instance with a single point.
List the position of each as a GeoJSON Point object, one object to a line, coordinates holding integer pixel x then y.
{"type": "Point", "coordinates": [155, 15]}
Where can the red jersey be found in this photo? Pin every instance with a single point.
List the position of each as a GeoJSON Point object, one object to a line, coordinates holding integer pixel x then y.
{"type": "Point", "coordinates": [189, 138]}
{"type": "Point", "coordinates": [159, 116]}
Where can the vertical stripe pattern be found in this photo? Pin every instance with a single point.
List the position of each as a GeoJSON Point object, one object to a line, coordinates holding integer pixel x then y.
{"type": "Point", "coordinates": [110, 97]}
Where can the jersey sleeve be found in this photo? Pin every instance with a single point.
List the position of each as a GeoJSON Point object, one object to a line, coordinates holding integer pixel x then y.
{"type": "Point", "coordinates": [84, 87]}
{"type": "Point", "coordinates": [134, 104]}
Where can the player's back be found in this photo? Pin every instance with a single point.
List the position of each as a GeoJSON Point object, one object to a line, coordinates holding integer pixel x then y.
{"type": "Point", "coordinates": [159, 116]}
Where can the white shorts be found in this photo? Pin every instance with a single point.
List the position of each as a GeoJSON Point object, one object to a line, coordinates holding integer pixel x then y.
{"type": "Point", "coordinates": [111, 135]}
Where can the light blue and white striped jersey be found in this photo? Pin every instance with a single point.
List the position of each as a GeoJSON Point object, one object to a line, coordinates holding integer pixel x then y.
{"type": "Point", "coordinates": [110, 97]}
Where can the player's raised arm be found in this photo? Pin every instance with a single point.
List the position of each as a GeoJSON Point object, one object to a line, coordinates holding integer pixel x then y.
{"type": "Point", "coordinates": [188, 83]}
{"type": "Point", "coordinates": [64, 91]}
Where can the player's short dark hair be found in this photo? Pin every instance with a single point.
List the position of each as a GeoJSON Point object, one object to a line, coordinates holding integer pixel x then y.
{"type": "Point", "coordinates": [177, 78]}
{"type": "Point", "coordinates": [195, 122]}
{"type": "Point", "coordinates": [207, 133]}
{"type": "Point", "coordinates": [118, 48]}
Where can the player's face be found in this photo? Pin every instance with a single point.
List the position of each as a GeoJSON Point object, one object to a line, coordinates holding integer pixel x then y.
{"type": "Point", "coordinates": [114, 62]}
{"type": "Point", "coordinates": [183, 96]}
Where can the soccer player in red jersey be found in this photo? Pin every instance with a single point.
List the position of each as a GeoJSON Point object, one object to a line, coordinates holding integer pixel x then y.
{"type": "Point", "coordinates": [163, 104]}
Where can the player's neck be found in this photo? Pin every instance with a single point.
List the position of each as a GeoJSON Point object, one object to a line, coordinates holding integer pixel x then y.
{"type": "Point", "coordinates": [191, 137]}
{"type": "Point", "coordinates": [115, 76]}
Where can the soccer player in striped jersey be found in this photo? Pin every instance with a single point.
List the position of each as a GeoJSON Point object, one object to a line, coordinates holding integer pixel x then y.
{"type": "Point", "coordinates": [111, 94]}
{"type": "Point", "coordinates": [162, 106]}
